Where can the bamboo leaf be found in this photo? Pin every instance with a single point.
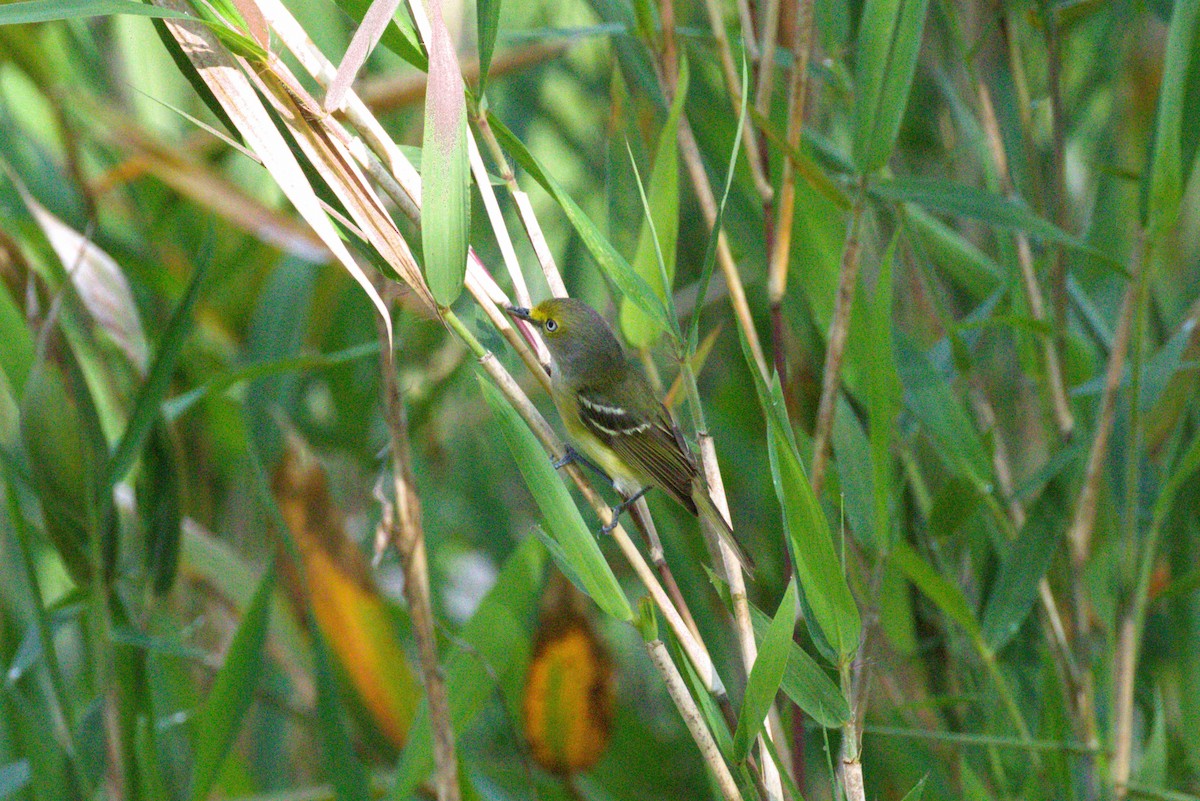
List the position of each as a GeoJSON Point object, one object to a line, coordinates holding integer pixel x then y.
{"type": "Point", "coordinates": [445, 171]}
{"type": "Point", "coordinates": [487, 12]}
{"type": "Point", "coordinates": [804, 681]}
{"type": "Point", "coordinates": [889, 41]}
{"type": "Point", "coordinates": [612, 263]}
{"type": "Point", "coordinates": [766, 675]}
{"type": "Point", "coordinates": [240, 102]}
{"type": "Point", "coordinates": [1022, 567]}
{"type": "Point", "coordinates": [231, 694]}
{"type": "Point", "coordinates": [399, 37]}
{"type": "Point", "coordinates": [818, 567]}
{"type": "Point", "coordinates": [343, 767]}
{"type": "Point", "coordinates": [662, 220]}
{"type": "Point", "coordinates": [944, 595]}
{"type": "Point", "coordinates": [52, 10]}
{"type": "Point", "coordinates": [560, 515]}
{"type": "Point", "coordinates": [1166, 176]}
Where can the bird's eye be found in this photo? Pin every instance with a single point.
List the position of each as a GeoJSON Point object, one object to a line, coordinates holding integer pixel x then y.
{"type": "Point", "coordinates": [551, 326]}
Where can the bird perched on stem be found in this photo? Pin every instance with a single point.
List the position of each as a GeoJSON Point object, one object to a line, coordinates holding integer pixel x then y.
{"type": "Point", "coordinates": [612, 413]}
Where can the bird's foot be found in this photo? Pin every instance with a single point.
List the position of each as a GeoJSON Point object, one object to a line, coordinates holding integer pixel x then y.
{"type": "Point", "coordinates": [620, 508]}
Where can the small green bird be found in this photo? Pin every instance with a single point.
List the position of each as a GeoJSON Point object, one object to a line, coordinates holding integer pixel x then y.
{"type": "Point", "coordinates": [610, 410]}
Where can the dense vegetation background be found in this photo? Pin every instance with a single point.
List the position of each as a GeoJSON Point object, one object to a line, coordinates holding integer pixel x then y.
{"type": "Point", "coordinates": [946, 352]}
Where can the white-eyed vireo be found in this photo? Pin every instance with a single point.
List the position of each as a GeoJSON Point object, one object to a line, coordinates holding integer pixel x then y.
{"type": "Point", "coordinates": [611, 412]}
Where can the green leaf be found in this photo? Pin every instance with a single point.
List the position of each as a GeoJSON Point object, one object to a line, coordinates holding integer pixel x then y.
{"type": "Point", "coordinates": [231, 694]}
{"type": "Point", "coordinates": [918, 790]}
{"type": "Point", "coordinates": [162, 518]}
{"type": "Point", "coordinates": [946, 197]}
{"type": "Point", "coordinates": [804, 681]}
{"type": "Point", "coordinates": [889, 40]}
{"type": "Point", "coordinates": [496, 644]}
{"type": "Point", "coordinates": [960, 261]}
{"type": "Point", "coordinates": [52, 10]}
{"type": "Point", "coordinates": [932, 401]}
{"type": "Point", "coordinates": [766, 674]}
{"type": "Point", "coordinates": [445, 170]}
{"type": "Point", "coordinates": [817, 564]}
{"type": "Point", "coordinates": [342, 766]}
{"type": "Point", "coordinates": [559, 514]}
{"type": "Point", "coordinates": [1167, 169]}
{"type": "Point", "coordinates": [656, 263]}
{"type": "Point", "coordinates": [487, 12]}
{"type": "Point", "coordinates": [1021, 570]}
{"type": "Point", "coordinates": [62, 467]}
{"type": "Point", "coordinates": [147, 406]}
{"type": "Point", "coordinates": [944, 595]}
{"type": "Point", "coordinates": [612, 263]}
{"type": "Point", "coordinates": [17, 355]}
{"type": "Point", "coordinates": [399, 37]}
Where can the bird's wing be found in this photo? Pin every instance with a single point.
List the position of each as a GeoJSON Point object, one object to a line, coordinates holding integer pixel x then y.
{"type": "Point", "coordinates": [650, 444]}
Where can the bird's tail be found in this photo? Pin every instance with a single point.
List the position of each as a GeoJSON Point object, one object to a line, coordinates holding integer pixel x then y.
{"type": "Point", "coordinates": [714, 522]}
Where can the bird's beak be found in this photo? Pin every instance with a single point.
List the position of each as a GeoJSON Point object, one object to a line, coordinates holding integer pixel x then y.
{"type": "Point", "coordinates": [520, 313]}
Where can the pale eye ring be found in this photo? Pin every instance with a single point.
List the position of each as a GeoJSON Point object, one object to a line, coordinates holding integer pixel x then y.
{"type": "Point", "coordinates": [551, 326]}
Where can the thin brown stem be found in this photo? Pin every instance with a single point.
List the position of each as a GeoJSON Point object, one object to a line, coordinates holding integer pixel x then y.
{"type": "Point", "coordinates": [1060, 403]}
{"type": "Point", "coordinates": [835, 349]}
{"type": "Point", "coordinates": [781, 246]}
{"type": "Point", "coordinates": [408, 536]}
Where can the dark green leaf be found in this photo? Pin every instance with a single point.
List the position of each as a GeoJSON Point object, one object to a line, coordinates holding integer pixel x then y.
{"type": "Point", "coordinates": [160, 506]}
{"type": "Point", "coordinates": [225, 708]}
{"type": "Point", "coordinates": [559, 514]}
{"type": "Point", "coordinates": [342, 766]}
{"type": "Point", "coordinates": [1023, 566]}
{"type": "Point", "coordinates": [945, 596]}
{"type": "Point", "coordinates": [889, 40]}
{"type": "Point", "coordinates": [487, 12]}
{"type": "Point", "coordinates": [766, 674]}
{"type": "Point", "coordinates": [1165, 178]}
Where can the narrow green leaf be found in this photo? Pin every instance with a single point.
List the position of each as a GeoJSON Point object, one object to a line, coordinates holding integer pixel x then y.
{"type": "Point", "coordinates": [487, 12]}
{"type": "Point", "coordinates": [918, 790]}
{"type": "Point", "coordinates": [1021, 570]}
{"type": "Point", "coordinates": [946, 197]}
{"type": "Point", "coordinates": [804, 681]}
{"type": "Point", "coordinates": [889, 41]}
{"type": "Point", "coordinates": [559, 514]}
{"type": "Point", "coordinates": [959, 260]}
{"type": "Point", "coordinates": [231, 694]}
{"type": "Point", "coordinates": [147, 405]}
{"type": "Point", "coordinates": [445, 169]}
{"type": "Point", "coordinates": [931, 400]}
{"type": "Point", "coordinates": [62, 467]}
{"type": "Point", "coordinates": [399, 37]}
{"type": "Point", "coordinates": [884, 393]}
{"type": "Point", "coordinates": [342, 766]}
{"type": "Point", "coordinates": [1166, 174]}
{"type": "Point", "coordinates": [612, 263]}
{"type": "Point", "coordinates": [766, 674]}
{"type": "Point", "coordinates": [496, 644]}
{"type": "Point", "coordinates": [656, 264]}
{"type": "Point", "coordinates": [16, 357]}
{"type": "Point", "coordinates": [52, 10]}
{"type": "Point", "coordinates": [162, 518]}
{"type": "Point", "coordinates": [852, 454]}
{"type": "Point", "coordinates": [816, 560]}
{"type": "Point", "coordinates": [944, 595]}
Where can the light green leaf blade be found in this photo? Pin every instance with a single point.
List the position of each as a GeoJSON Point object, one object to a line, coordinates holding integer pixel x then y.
{"type": "Point", "coordinates": [487, 12]}
{"type": "Point", "coordinates": [231, 694]}
{"type": "Point", "coordinates": [1167, 169]}
{"type": "Point", "coordinates": [816, 560]}
{"type": "Point", "coordinates": [640, 329]}
{"type": "Point", "coordinates": [612, 263]}
{"type": "Point", "coordinates": [766, 674]}
{"type": "Point", "coordinates": [889, 41]}
{"type": "Point", "coordinates": [445, 169]}
{"type": "Point", "coordinates": [559, 514]}
{"type": "Point", "coordinates": [946, 596]}
{"type": "Point", "coordinates": [52, 10]}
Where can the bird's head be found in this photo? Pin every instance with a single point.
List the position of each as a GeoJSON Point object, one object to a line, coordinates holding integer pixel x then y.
{"type": "Point", "coordinates": [575, 333]}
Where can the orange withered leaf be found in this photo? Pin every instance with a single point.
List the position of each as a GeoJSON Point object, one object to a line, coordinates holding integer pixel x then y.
{"type": "Point", "coordinates": [568, 704]}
